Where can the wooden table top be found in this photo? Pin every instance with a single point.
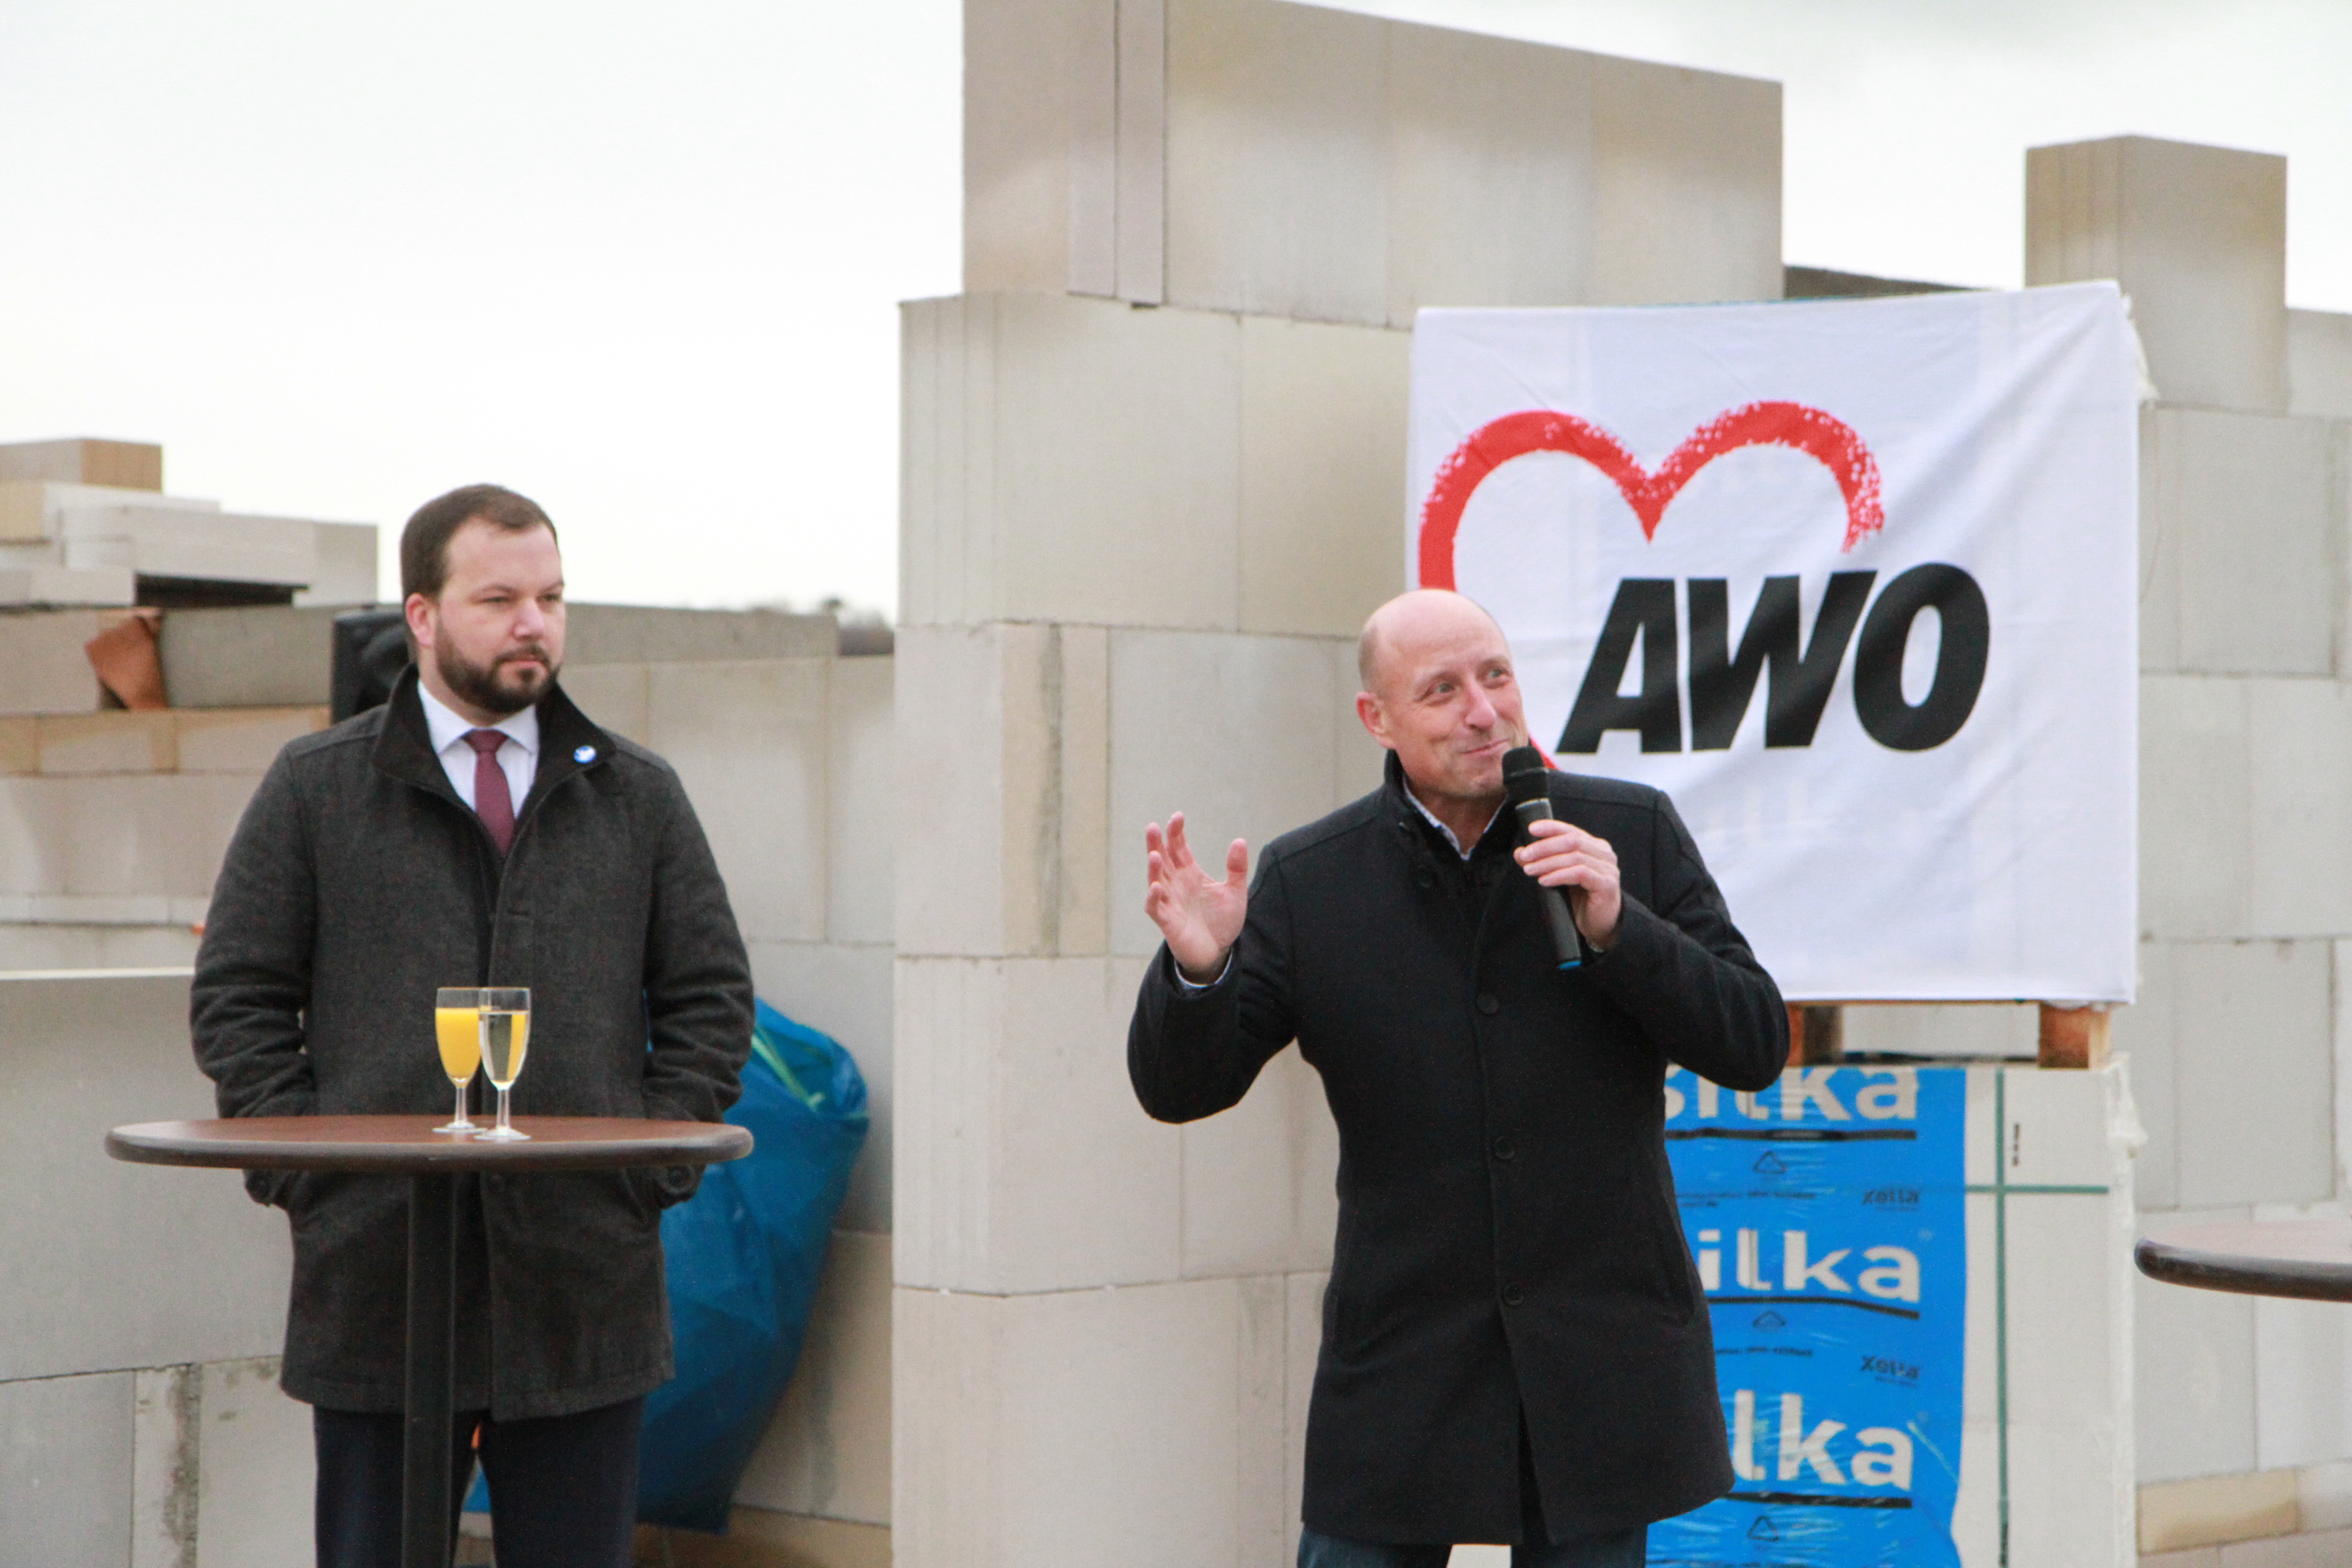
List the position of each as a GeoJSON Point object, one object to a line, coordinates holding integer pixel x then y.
{"type": "Point", "coordinates": [2311, 1259]}
{"type": "Point", "coordinates": [407, 1145]}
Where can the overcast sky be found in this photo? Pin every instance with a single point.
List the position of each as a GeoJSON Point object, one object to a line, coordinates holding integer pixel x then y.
{"type": "Point", "coordinates": [642, 261]}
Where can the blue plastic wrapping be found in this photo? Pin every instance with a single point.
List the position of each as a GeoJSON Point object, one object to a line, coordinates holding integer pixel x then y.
{"type": "Point", "coordinates": [742, 1257]}
{"type": "Point", "coordinates": [1828, 1216]}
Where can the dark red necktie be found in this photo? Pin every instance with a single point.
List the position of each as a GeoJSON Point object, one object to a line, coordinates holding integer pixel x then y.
{"type": "Point", "coordinates": [493, 802]}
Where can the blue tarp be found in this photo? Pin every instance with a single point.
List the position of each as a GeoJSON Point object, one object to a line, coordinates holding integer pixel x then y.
{"type": "Point", "coordinates": [743, 1255]}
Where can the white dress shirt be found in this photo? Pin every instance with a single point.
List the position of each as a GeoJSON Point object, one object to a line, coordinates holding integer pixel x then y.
{"type": "Point", "coordinates": [517, 753]}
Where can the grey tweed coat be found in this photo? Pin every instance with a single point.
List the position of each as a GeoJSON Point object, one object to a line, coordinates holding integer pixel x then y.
{"type": "Point", "coordinates": [356, 884]}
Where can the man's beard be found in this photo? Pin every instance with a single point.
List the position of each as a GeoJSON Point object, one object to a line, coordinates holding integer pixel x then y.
{"type": "Point", "coordinates": [495, 688]}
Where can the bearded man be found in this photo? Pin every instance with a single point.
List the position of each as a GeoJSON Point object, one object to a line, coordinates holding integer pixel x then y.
{"type": "Point", "coordinates": [1516, 1345]}
{"type": "Point", "coordinates": [477, 830]}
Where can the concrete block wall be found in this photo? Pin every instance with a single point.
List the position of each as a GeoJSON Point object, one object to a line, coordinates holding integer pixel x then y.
{"type": "Point", "coordinates": [111, 827]}
{"type": "Point", "coordinates": [1104, 1325]}
{"type": "Point", "coordinates": [2238, 1053]}
{"type": "Point", "coordinates": [790, 764]}
{"type": "Point", "coordinates": [1290, 161]}
{"type": "Point", "coordinates": [84, 522]}
{"type": "Point", "coordinates": [131, 1412]}
{"type": "Point", "coordinates": [1152, 481]}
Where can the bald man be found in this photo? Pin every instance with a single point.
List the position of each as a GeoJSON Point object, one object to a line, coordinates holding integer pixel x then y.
{"type": "Point", "coordinates": [1516, 1345]}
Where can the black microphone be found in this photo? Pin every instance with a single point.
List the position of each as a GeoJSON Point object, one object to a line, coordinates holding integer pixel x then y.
{"type": "Point", "coordinates": [1525, 780]}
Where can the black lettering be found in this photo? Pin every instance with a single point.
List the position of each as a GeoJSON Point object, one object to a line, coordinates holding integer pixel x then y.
{"type": "Point", "coordinates": [1800, 685]}
{"type": "Point", "coordinates": [1963, 643]}
{"type": "Point", "coordinates": [1645, 607]}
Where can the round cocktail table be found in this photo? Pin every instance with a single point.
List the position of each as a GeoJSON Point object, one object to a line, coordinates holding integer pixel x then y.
{"type": "Point", "coordinates": [2307, 1257]}
{"type": "Point", "coordinates": [404, 1146]}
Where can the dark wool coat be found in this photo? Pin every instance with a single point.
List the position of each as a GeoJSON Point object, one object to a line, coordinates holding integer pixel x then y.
{"type": "Point", "coordinates": [358, 883]}
{"type": "Point", "coordinates": [1508, 1240]}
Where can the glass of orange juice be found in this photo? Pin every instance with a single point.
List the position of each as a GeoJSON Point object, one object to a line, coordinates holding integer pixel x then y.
{"type": "Point", "coordinates": [457, 1024]}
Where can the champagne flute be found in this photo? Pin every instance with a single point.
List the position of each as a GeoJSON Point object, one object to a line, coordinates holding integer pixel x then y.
{"type": "Point", "coordinates": [506, 1037]}
{"type": "Point", "coordinates": [457, 1024]}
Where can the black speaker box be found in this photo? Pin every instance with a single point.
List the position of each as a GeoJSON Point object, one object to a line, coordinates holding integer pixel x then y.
{"type": "Point", "coordinates": [371, 651]}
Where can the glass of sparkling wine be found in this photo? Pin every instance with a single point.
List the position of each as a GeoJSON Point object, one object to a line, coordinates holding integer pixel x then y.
{"type": "Point", "coordinates": [506, 1037]}
{"type": "Point", "coordinates": [458, 1024]}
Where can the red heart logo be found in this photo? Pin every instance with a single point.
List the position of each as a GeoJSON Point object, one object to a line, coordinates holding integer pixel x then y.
{"type": "Point", "coordinates": [1492, 444]}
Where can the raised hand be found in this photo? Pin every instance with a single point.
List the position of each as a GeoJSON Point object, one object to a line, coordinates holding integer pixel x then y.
{"type": "Point", "coordinates": [1200, 916]}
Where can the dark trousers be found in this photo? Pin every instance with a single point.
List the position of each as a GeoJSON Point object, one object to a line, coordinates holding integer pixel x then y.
{"type": "Point", "coordinates": [563, 1490]}
{"type": "Point", "coordinates": [1619, 1548]}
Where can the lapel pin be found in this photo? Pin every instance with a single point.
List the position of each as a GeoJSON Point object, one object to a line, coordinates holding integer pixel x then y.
{"type": "Point", "coordinates": [585, 754]}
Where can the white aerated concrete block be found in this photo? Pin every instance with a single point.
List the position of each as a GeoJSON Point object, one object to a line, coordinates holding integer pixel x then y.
{"type": "Point", "coordinates": [1276, 158]}
{"type": "Point", "coordinates": [1023, 1161]}
{"type": "Point", "coordinates": [2241, 515]}
{"type": "Point", "coordinates": [1687, 205]}
{"type": "Point", "coordinates": [2197, 833]}
{"type": "Point", "coordinates": [827, 1452]}
{"type": "Point", "coordinates": [241, 740]}
{"type": "Point", "coordinates": [2299, 878]}
{"type": "Point", "coordinates": [845, 992]}
{"type": "Point", "coordinates": [616, 697]}
{"type": "Point", "coordinates": [1012, 859]}
{"type": "Point", "coordinates": [1258, 1179]}
{"type": "Point", "coordinates": [2197, 237]}
{"type": "Point", "coordinates": [34, 510]}
{"type": "Point", "coordinates": [1039, 147]}
{"type": "Point", "coordinates": [1069, 459]}
{"type": "Point", "coordinates": [1925, 1030]}
{"type": "Point", "coordinates": [344, 564]}
{"type": "Point", "coordinates": [77, 1056]}
{"type": "Point", "coordinates": [748, 741]}
{"type": "Point", "coordinates": [1490, 169]}
{"type": "Point", "coordinates": [167, 1465]}
{"type": "Point", "coordinates": [66, 1470]}
{"type": "Point", "coordinates": [863, 789]}
{"type": "Point", "coordinates": [2319, 363]}
{"type": "Point", "coordinates": [258, 1469]}
{"type": "Point", "coordinates": [47, 671]}
{"type": "Point", "coordinates": [117, 742]}
{"type": "Point", "coordinates": [214, 546]}
{"type": "Point", "coordinates": [1078, 1428]}
{"type": "Point", "coordinates": [1184, 707]}
{"type": "Point", "coordinates": [2147, 1036]}
{"type": "Point", "coordinates": [2195, 1385]}
{"type": "Point", "coordinates": [61, 586]}
{"type": "Point", "coordinates": [32, 832]}
{"type": "Point", "coordinates": [2254, 1072]}
{"type": "Point", "coordinates": [2302, 1371]}
{"type": "Point", "coordinates": [148, 834]}
{"type": "Point", "coordinates": [1322, 475]}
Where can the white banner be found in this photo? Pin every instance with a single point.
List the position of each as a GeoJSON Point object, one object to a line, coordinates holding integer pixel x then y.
{"type": "Point", "coordinates": [1855, 582]}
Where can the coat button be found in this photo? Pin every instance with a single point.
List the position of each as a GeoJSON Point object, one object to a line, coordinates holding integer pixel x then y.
{"type": "Point", "coordinates": [1488, 1005]}
{"type": "Point", "coordinates": [1424, 880]}
{"type": "Point", "coordinates": [1504, 1149]}
{"type": "Point", "coordinates": [1513, 1295]}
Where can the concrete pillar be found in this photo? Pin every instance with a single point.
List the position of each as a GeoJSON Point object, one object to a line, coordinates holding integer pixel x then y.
{"type": "Point", "coordinates": [1136, 547]}
{"type": "Point", "coordinates": [1291, 161]}
{"type": "Point", "coordinates": [2197, 237]}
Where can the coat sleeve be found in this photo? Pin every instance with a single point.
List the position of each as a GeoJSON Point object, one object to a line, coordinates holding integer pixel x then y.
{"type": "Point", "coordinates": [698, 978]}
{"type": "Point", "coordinates": [253, 969]}
{"type": "Point", "coordinates": [1687, 976]}
{"type": "Point", "coordinates": [1192, 1053]}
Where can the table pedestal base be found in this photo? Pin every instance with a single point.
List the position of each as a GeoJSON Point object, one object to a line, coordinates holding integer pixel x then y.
{"type": "Point", "coordinates": [432, 1340]}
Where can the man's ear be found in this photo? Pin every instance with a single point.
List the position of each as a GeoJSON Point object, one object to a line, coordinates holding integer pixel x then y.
{"type": "Point", "coordinates": [419, 611]}
{"type": "Point", "coordinates": [1376, 722]}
